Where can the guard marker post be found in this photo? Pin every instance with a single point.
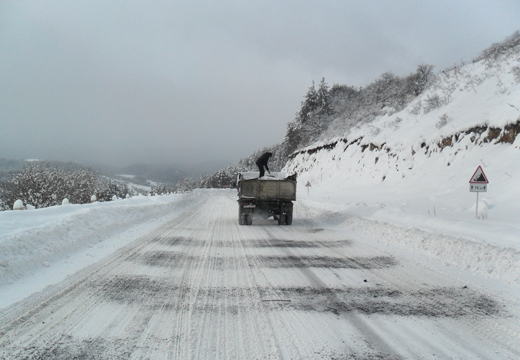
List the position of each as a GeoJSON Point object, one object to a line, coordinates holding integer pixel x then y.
{"type": "Point", "coordinates": [478, 183]}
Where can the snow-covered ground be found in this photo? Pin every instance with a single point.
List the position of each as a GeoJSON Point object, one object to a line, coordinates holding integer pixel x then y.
{"type": "Point", "coordinates": [200, 286]}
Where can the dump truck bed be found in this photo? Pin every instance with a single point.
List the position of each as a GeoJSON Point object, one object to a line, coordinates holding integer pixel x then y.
{"type": "Point", "coordinates": [278, 187]}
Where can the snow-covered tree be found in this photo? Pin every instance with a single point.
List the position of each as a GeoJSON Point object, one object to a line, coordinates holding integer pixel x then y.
{"type": "Point", "coordinates": [493, 52]}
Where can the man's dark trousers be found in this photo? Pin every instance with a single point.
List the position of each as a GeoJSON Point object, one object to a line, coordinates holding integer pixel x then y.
{"type": "Point", "coordinates": [261, 168]}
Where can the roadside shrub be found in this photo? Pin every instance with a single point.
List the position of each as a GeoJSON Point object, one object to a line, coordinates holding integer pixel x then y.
{"type": "Point", "coordinates": [3, 205]}
{"type": "Point", "coordinates": [443, 120]}
{"type": "Point", "coordinates": [43, 185]}
{"type": "Point", "coordinates": [432, 102]}
{"type": "Point", "coordinates": [516, 72]}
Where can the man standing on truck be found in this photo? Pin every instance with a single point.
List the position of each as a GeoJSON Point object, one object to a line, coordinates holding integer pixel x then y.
{"type": "Point", "coordinates": [262, 161]}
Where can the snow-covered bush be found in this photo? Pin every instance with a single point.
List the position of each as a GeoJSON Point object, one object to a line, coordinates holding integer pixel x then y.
{"type": "Point", "coordinates": [516, 72]}
{"type": "Point", "coordinates": [443, 120]}
{"type": "Point", "coordinates": [395, 124]}
{"type": "Point", "coordinates": [433, 102]}
{"type": "Point", "coordinates": [18, 205]}
{"type": "Point", "coordinates": [108, 188]}
{"type": "Point", "coordinates": [158, 189]}
{"type": "Point", "coordinates": [93, 198]}
{"type": "Point", "coordinates": [43, 185]}
{"type": "Point", "coordinates": [65, 201]}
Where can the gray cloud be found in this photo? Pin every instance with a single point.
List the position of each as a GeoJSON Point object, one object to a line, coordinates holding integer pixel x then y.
{"type": "Point", "coordinates": [179, 81]}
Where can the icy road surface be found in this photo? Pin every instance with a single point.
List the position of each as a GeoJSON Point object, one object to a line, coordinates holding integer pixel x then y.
{"type": "Point", "coordinates": [203, 287]}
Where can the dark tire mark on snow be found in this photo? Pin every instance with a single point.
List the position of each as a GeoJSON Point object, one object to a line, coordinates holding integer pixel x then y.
{"type": "Point", "coordinates": [434, 302]}
{"type": "Point", "coordinates": [299, 244]}
{"type": "Point", "coordinates": [377, 262]}
{"type": "Point", "coordinates": [176, 259]}
{"type": "Point", "coordinates": [168, 259]}
{"type": "Point", "coordinates": [277, 243]}
{"type": "Point", "coordinates": [68, 348]}
{"type": "Point", "coordinates": [173, 241]}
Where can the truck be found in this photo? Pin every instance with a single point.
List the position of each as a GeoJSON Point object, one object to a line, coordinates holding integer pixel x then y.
{"type": "Point", "coordinates": [265, 197]}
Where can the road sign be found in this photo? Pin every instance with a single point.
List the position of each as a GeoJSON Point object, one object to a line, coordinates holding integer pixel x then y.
{"type": "Point", "coordinates": [478, 183]}
{"type": "Point", "coordinates": [479, 177]}
{"type": "Point", "coordinates": [477, 187]}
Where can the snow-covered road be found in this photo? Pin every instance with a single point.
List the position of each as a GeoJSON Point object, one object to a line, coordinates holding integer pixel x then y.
{"type": "Point", "coordinates": [203, 287]}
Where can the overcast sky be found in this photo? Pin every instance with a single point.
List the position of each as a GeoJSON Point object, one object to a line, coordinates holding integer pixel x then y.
{"type": "Point", "coordinates": [119, 82]}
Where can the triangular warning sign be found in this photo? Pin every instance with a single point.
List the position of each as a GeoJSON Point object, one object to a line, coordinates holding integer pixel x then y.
{"type": "Point", "coordinates": [479, 177]}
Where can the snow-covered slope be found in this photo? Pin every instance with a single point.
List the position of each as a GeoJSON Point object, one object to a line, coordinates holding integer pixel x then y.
{"type": "Point", "coordinates": [412, 169]}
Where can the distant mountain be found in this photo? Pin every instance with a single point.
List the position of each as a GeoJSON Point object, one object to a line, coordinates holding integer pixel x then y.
{"type": "Point", "coordinates": [196, 170]}
{"type": "Point", "coordinates": [158, 173]}
{"type": "Point", "coordinates": [9, 165]}
{"type": "Point", "coordinates": [142, 173]}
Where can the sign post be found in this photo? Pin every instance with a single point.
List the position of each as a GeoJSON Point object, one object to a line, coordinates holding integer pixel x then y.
{"type": "Point", "coordinates": [478, 183]}
{"type": "Point", "coordinates": [308, 185]}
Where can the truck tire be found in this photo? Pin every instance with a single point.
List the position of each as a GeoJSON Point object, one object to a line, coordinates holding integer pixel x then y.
{"type": "Point", "coordinates": [241, 217]}
{"type": "Point", "coordinates": [288, 219]}
{"type": "Point", "coordinates": [281, 219]}
{"type": "Point", "coordinates": [249, 219]}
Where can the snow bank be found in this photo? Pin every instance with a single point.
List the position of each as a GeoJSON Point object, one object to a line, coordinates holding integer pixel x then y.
{"type": "Point", "coordinates": [30, 240]}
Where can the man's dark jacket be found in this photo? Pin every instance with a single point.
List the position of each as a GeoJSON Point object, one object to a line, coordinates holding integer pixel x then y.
{"type": "Point", "coordinates": [262, 160]}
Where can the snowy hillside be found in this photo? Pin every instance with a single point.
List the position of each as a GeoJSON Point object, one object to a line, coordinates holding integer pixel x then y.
{"type": "Point", "coordinates": [412, 168]}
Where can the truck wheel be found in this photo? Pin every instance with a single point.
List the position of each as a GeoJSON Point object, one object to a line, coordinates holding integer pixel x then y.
{"type": "Point", "coordinates": [249, 219]}
{"type": "Point", "coordinates": [281, 219]}
{"type": "Point", "coordinates": [288, 219]}
{"type": "Point", "coordinates": [241, 219]}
